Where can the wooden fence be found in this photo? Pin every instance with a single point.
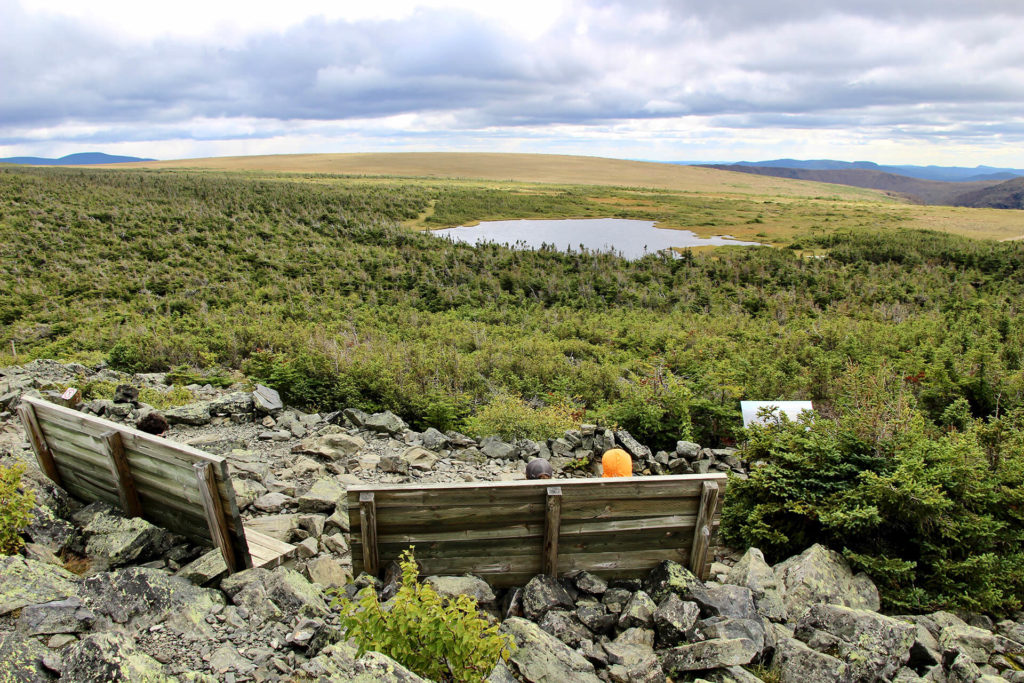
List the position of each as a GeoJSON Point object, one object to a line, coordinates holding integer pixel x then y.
{"type": "Point", "coordinates": [507, 532]}
{"type": "Point", "coordinates": [173, 485]}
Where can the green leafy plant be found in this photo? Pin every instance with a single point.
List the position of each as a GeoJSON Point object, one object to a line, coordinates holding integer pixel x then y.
{"type": "Point", "coordinates": [15, 509]}
{"type": "Point", "coordinates": [512, 418]}
{"type": "Point", "coordinates": [445, 640]}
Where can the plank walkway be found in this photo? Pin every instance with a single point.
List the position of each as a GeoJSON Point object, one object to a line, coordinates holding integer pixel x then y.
{"type": "Point", "coordinates": [173, 485]}
{"type": "Point", "coordinates": [507, 532]}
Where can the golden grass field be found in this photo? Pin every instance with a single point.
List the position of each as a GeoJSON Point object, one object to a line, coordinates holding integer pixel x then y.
{"type": "Point", "coordinates": [784, 207]}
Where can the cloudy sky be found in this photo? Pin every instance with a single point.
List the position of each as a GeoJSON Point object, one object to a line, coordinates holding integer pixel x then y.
{"type": "Point", "coordinates": [892, 81]}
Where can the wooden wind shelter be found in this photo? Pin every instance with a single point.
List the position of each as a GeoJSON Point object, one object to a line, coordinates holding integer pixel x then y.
{"type": "Point", "coordinates": [507, 532]}
{"type": "Point", "coordinates": [170, 484]}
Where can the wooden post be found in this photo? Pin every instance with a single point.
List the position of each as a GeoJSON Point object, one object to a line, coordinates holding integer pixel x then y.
{"type": "Point", "coordinates": [552, 525]}
{"type": "Point", "coordinates": [368, 529]}
{"type": "Point", "coordinates": [702, 531]}
{"type": "Point", "coordinates": [44, 456]}
{"type": "Point", "coordinates": [122, 472]}
{"type": "Point", "coordinates": [218, 524]}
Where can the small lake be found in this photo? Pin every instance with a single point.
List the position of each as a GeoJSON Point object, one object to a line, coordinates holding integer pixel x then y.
{"type": "Point", "coordinates": [632, 239]}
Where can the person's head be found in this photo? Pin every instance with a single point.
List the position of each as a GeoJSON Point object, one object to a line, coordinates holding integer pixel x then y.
{"type": "Point", "coordinates": [152, 423]}
{"type": "Point", "coordinates": [538, 468]}
{"type": "Point", "coordinates": [616, 463]}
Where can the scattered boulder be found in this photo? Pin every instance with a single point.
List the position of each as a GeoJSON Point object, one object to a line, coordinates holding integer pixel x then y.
{"type": "Point", "coordinates": [334, 446]}
{"type": "Point", "coordinates": [451, 586]}
{"type": "Point", "coordinates": [109, 656]}
{"type": "Point", "coordinates": [794, 662]}
{"type": "Point", "coordinates": [754, 573]}
{"type": "Point", "coordinates": [873, 646]}
{"type": "Point", "coordinates": [543, 593]}
{"type": "Point", "coordinates": [21, 659]}
{"type": "Point", "coordinates": [195, 414]}
{"type": "Point", "coordinates": [386, 422]}
{"type": "Point", "coordinates": [709, 654]}
{"type": "Point", "coordinates": [322, 497]}
{"type": "Point", "coordinates": [674, 619]}
{"type": "Point", "coordinates": [29, 582]}
{"type": "Point", "coordinates": [539, 657]}
{"type": "Point", "coordinates": [419, 458]}
{"type": "Point", "coordinates": [59, 616]}
{"type": "Point", "coordinates": [119, 541]}
{"type": "Point", "coordinates": [143, 597]}
{"type": "Point", "coordinates": [820, 575]}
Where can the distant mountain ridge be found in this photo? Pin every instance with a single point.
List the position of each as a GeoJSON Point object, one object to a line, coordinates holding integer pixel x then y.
{"type": "Point", "coordinates": [952, 174]}
{"type": "Point", "coordinates": [80, 159]}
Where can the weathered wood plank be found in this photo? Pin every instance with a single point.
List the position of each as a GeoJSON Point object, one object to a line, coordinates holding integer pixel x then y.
{"type": "Point", "coordinates": [552, 523]}
{"type": "Point", "coordinates": [266, 551]}
{"type": "Point", "coordinates": [35, 436]}
{"type": "Point", "coordinates": [215, 514]}
{"type": "Point", "coordinates": [122, 474]}
{"type": "Point", "coordinates": [513, 492]}
{"type": "Point", "coordinates": [368, 537]}
{"type": "Point", "coordinates": [702, 533]}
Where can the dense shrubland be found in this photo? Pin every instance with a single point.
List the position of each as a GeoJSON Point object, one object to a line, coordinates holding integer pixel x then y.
{"type": "Point", "coordinates": [909, 342]}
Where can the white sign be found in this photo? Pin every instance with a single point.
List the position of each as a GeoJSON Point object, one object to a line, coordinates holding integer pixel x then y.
{"type": "Point", "coordinates": [790, 409]}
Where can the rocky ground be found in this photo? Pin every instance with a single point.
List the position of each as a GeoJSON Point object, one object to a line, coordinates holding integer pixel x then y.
{"type": "Point", "coordinates": [97, 597]}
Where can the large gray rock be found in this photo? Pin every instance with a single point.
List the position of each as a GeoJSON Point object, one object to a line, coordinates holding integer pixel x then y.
{"type": "Point", "coordinates": [639, 452]}
{"type": "Point", "coordinates": [21, 660]}
{"type": "Point", "coordinates": [433, 440]}
{"type": "Point", "coordinates": [709, 654]}
{"type": "Point", "coordinates": [674, 620]}
{"type": "Point", "coordinates": [195, 414]}
{"type": "Point", "coordinates": [386, 422]}
{"type": "Point", "coordinates": [541, 658]}
{"type": "Point", "coordinates": [267, 400]}
{"type": "Point", "coordinates": [754, 573]}
{"type": "Point", "coordinates": [328, 572]}
{"type": "Point", "coordinates": [636, 658]}
{"type": "Point", "coordinates": [337, 446]}
{"type": "Point", "coordinates": [322, 497]}
{"type": "Point", "coordinates": [48, 529]}
{"type": "Point", "coordinates": [821, 576]}
{"type": "Point", "coordinates": [108, 657]}
{"type": "Point", "coordinates": [60, 616]}
{"type": "Point", "coordinates": [496, 449]}
{"type": "Point", "coordinates": [730, 628]}
{"type": "Point", "coordinates": [451, 586]}
{"type": "Point", "coordinates": [419, 458]}
{"type": "Point", "coordinates": [731, 601]}
{"type": "Point", "coordinates": [205, 569]}
{"type": "Point", "coordinates": [977, 643]}
{"type": "Point", "coordinates": [687, 449]}
{"type": "Point", "coordinates": [142, 597]}
{"type": "Point", "coordinates": [672, 577]}
{"type": "Point", "coordinates": [118, 541]}
{"type": "Point", "coordinates": [595, 616]}
{"type": "Point", "coordinates": [566, 626]}
{"type": "Point", "coordinates": [874, 646]}
{"type": "Point", "coordinates": [235, 403]}
{"type": "Point", "coordinates": [273, 595]}
{"type": "Point", "coordinates": [794, 662]}
{"type": "Point", "coordinates": [543, 593]}
{"type": "Point", "coordinates": [28, 582]}
{"type": "Point", "coordinates": [638, 611]}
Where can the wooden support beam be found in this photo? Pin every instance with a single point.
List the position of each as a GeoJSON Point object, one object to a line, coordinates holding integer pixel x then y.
{"type": "Point", "coordinates": [702, 531]}
{"type": "Point", "coordinates": [215, 518]}
{"type": "Point", "coordinates": [368, 530]}
{"type": "Point", "coordinates": [552, 526]}
{"type": "Point", "coordinates": [44, 456]}
{"type": "Point", "coordinates": [122, 472]}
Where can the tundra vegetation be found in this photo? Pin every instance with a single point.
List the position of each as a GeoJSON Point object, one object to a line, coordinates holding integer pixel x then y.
{"type": "Point", "coordinates": [909, 342]}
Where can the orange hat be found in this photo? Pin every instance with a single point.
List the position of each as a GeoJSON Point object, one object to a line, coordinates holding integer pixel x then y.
{"type": "Point", "coordinates": [617, 463]}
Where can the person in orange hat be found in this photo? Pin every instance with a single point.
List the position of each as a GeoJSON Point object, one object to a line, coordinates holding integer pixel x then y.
{"type": "Point", "coordinates": [616, 463]}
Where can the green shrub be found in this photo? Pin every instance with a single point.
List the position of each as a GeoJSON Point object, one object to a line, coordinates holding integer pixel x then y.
{"type": "Point", "coordinates": [512, 418]}
{"type": "Point", "coordinates": [935, 518]}
{"type": "Point", "coordinates": [15, 509]}
{"type": "Point", "coordinates": [441, 639]}
{"type": "Point", "coordinates": [654, 408]}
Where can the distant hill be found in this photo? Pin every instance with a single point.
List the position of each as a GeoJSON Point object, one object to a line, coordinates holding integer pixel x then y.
{"type": "Point", "coordinates": [915, 189]}
{"type": "Point", "coordinates": [80, 159]}
{"type": "Point", "coordinates": [1008, 195]}
{"type": "Point", "coordinates": [953, 174]}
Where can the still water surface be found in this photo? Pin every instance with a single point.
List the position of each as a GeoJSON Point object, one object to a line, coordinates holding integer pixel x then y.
{"type": "Point", "coordinates": [632, 239]}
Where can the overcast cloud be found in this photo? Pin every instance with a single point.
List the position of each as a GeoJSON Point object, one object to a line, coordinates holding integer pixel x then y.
{"type": "Point", "coordinates": [914, 81]}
